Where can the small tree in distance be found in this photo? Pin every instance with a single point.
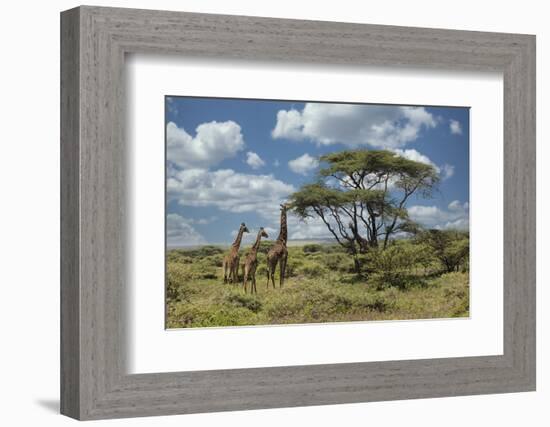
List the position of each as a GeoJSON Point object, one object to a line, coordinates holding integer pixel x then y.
{"type": "Point", "coordinates": [360, 196]}
{"type": "Point", "coordinates": [450, 247]}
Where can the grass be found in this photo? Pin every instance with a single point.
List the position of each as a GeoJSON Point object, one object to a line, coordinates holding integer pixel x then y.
{"type": "Point", "coordinates": [321, 287]}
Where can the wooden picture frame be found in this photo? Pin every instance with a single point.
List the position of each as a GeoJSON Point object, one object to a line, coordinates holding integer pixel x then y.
{"type": "Point", "coordinates": [94, 382]}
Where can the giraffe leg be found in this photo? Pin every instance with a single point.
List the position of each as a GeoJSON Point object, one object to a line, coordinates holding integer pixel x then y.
{"type": "Point", "coordinates": [237, 269]}
{"type": "Point", "coordinates": [245, 279]}
{"type": "Point", "coordinates": [224, 268]}
{"type": "Point", "coordinates": [273, 274]}
{"type": "Point", "coordinates": [253, 279]}
{"type": "Point", "coordinates": [232, 274]}
{"type": "Point", "coordinates": [282, 266]}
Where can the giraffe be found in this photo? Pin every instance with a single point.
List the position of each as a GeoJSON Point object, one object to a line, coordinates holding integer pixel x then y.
{"type": "Point", "coordinates": [278, 253]}
{"type": "Point", "coordinates": [231, 260]}
{"type": "Point", "coordinates": [251, 262]}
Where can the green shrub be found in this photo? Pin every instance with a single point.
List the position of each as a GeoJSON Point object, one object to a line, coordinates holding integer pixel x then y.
{"type": "Point", "coordinates": [395, 266]}
{"type": "Point", "coordinates": [243, 300]}
{"type": "Point", "coordinates": [212, 261]}
{"type": "Point", "coordinates": [265, 246]}
{"type": "Point", "coordinates": [312, 248]}
{"type": "Point", "coordinates": [292, 266]}
{"type": "Point", "coordinates": [338, 261]}
{"type": "Point", "coordinates": [201, 252]}
{"type": "Point", "coordinates": [176, 279]}
{"type": "Point", "coordinates": [285, 305]}
{"type": "Point", "coordinates": [311, 269]}
{"type": "Point", "coordinates": [450, 247]}
{"type": "Point", "coordinates": [185, 315]}
{"type": "Point", "coordinates": [261, 272]}
{"type": "Point", "coordinates": [374, 302]}
{"type": "Point", "coordinates": [403, 282]}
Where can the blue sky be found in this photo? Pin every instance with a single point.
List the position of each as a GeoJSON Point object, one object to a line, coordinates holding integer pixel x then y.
{"type": "Point", "coordinates": [235, 160]}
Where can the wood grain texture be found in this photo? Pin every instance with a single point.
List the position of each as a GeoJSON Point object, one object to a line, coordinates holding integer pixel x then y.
{"type": "Point", "coordinates": [70, 258]}
{"type": "Point", "coordinates": [94, 272]}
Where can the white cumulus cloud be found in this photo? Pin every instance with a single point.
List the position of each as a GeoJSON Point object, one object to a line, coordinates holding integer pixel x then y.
{"type": "Point", "coordinates": [353, 125]}
{"type": "Point", "coordinates": [213, 142]}
{"type": "Point", "coordinates": [445, 171]}
{"type": "Point", "coordinates": [412, 154]}
{"type": "Point", "coordinates": [311, 228]}
{"type": "Point", "coordinates": [227, 190]}
{"type": "Point", "coordinates": [180, 232]}
{"type": "Point", "coordinates": [455, 216]}
{"type": "Point", "coordinates": [455, 127]}
{"type": "Point", "coordinates": [253, 160]}
{"type": "Point", "coordinates": [250, 238]}
{"type": "Point", "coordinates": [303, 164]}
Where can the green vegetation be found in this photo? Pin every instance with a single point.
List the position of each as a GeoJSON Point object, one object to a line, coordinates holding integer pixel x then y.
{"type": "Point", "coordinates": [418, 278]}
{"type": "Point", "coordinates": [371, 272]}
{"type": "Point", "coordinates": [361, 196]}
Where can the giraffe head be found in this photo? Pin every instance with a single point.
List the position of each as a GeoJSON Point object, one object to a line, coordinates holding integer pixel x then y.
{"type": "Point", "coordinates": [285, 206]}
{"type": "Point", "coordinates": [244, 228]}
{"type": "Point", "coordinates": [263, 233]}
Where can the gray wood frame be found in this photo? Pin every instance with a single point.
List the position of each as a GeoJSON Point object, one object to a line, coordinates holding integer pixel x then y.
{"type": "Point", "coordinates": [94, 40]}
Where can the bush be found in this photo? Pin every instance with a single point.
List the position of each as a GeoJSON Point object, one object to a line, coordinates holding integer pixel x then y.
{"type": "Point", "coordinates": [338, 261]}
{"type": "Point", "coordinates": [311, 269]}
{"type": "Point", "coordinates": [265, 246]}
{"type": "Point", "coordinates": [244, 300]}
{"type": "Point", "coordinates": [395, 265]}
{"type": "Point", "coordinates": [312, 248]}
{"type": "Point", "coordinates": [450, 247]}
{"type": "Point", "coordinates": [292, 266]}
{"type": "Point", "coordinates": [185, 315]}
{"type": "Point", "coordinates": [212, 261]}
{"type": "Point", "coordinates": [176, 279]}
{"type": "Point", "coordinates": [374, 302]}
{"type": "Point", "coordinates": [401, 280]}
{"type": "Point", "coordinates": [201, 252]}
{"type": "Point", "coordinates": [285, 305]}
{"type": "Point", "coordinates": [321, 286]}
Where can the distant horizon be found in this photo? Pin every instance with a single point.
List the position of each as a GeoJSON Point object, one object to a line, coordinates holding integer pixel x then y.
{"type": "Point", "coordinates": [290, 241]}
{"type": "Point", "coordinates": [235, 160]}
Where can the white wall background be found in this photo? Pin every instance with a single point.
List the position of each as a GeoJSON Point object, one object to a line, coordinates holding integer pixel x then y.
{"type": "Point", "coordinates": [29, 190]}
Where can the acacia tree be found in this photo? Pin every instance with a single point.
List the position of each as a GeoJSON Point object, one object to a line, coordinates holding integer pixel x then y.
{"type": "Point", "coordinates": [450, 247]}
{"type": "Point", "coordinates": [360, 196]}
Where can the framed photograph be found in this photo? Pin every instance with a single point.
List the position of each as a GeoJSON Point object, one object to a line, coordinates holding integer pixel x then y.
{"type": "Point", "coordinates": [262, 213]}
{"type": "Point", "coordinates": [334, 199]}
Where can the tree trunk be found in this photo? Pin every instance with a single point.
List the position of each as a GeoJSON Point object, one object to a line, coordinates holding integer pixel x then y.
{"type": "Point", "coordinates": [374, 241]}
{"type": "Point", "coordinates": [357, 265]}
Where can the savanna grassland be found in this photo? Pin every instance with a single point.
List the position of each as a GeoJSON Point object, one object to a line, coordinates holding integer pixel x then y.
{"type": "Point", "coordinates": [418, 278]}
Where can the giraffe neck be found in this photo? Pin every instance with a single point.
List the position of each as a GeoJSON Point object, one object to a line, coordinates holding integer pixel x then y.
{"type": "Point", "coordinates": [237, 242]}
{"type": "Point", "coordinates": [256, 244]}
{"type": "Point", "coordinates": [283, 233]}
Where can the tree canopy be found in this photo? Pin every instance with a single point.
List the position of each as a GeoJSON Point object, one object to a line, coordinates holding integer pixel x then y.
{"type": "Point", "coordinates": [451, 247]}
{"type": "Point", "coordinates": [360, 196]}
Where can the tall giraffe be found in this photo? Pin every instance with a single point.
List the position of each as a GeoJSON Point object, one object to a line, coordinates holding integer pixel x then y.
{"type": "Point", "coordinates": [251, 262]}
{"type": "Point", "coordinates": [278, 253]}
{"type": "Point", "coordinates": [231, 260]}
